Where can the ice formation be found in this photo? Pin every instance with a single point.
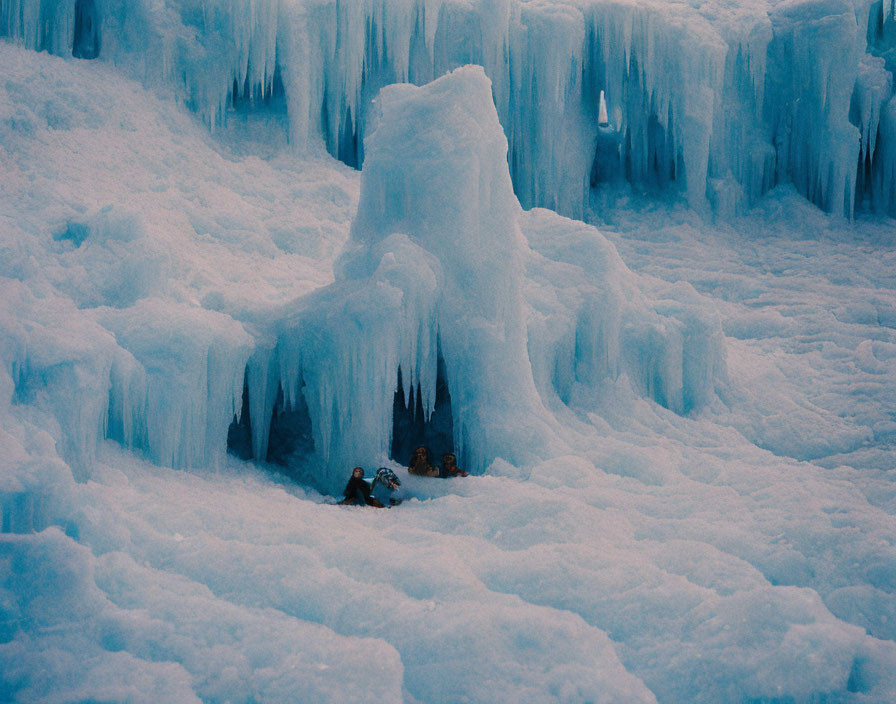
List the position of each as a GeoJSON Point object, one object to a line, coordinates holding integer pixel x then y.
{"type": "Point", "coordinates": [720, 101]}
{"type": "Point", "coordinates": [438, 266]}
{"type": "Point", "coordinates": [681, 432]}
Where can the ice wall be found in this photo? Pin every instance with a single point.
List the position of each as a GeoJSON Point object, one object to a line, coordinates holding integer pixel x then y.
{"type": "Point", "coordinates": [718, 101]}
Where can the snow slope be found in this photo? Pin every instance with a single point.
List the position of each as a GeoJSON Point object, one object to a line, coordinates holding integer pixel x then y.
{"type": "Point", "coordinates": [728, 537]}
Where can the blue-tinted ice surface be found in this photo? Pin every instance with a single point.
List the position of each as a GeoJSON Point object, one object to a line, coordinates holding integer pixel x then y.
{"type": "Point", "coordinates": [683, 432]}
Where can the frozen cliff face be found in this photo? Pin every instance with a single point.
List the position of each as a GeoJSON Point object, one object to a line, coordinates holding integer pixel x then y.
{"type": "Point", "coordinates": [717, 101]}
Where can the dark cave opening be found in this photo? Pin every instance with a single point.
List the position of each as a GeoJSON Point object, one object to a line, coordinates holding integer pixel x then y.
{"type": "Point", "coordinates": [410, 428]}
{"type": "Point", "coordinates": [290, 439]}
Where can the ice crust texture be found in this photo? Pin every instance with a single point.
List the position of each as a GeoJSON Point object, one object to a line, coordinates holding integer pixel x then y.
{"type": "Point", "coordinates": [684, 454]}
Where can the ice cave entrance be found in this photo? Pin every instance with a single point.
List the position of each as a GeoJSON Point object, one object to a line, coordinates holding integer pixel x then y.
{"type": "Point", "coordinates": [290, 441]}
{"type": "Point", "coordinates": [411, 428]}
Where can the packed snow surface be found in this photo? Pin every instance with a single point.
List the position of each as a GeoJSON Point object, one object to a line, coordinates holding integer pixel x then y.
{"type": "Point", "coordinates": [682, 432]}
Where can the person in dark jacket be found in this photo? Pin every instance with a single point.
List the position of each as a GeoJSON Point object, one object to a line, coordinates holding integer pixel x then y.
{"type": "Point", "coordinates": [450, 468]}
{"type": "Point", "coordinates": [421, 465]}
{"type": "Point", "coordinates": [357, 491]}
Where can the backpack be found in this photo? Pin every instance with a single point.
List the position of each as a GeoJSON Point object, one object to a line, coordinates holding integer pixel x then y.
{"type": "Point", "coordinates": [385, 475]}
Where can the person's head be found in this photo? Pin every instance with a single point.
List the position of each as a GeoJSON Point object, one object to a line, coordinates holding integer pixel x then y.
{"type": "Point", "coordinates": [358, 472]}
{"type": "Point", "coordinates": [449, 459]}
{"type": "Point", "coordinates": [420, 453]}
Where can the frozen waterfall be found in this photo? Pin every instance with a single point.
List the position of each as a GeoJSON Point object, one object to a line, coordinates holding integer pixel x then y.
{"type": "Point", "coordinates": [716, 101]}
{"type": "Point", "coordinates": [679, 427]}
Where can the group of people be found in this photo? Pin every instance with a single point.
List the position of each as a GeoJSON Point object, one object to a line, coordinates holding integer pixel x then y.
{"type": "Point", "coordinates": [421, 465]}
{"type": "Point", "coordinates": [381, 490]}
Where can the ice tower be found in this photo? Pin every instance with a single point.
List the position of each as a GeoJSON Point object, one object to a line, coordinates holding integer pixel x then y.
{"type": "Point", "coordinates": [434, 266]}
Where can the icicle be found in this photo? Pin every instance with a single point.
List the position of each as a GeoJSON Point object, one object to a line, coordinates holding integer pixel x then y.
{"type": "Point", "coordinates": [264, 380]}
{"type": "Point", "coordinates": [874, 86]}
{"type": "Point", "coordinates": [431, 10]}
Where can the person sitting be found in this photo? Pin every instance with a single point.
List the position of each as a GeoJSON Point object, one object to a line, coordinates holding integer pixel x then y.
{"type": "Point", "coordinates": [450, 468]}
{"type": "Point", "coordinates": [385, 485]}
{"type": "Point", "coordinates": [421, 465]}
{"type": "Point", "coordinates": [357, 491]}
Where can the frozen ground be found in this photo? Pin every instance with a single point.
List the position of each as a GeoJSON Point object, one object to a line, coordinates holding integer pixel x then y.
{"type": "Point", "coordinates": [744, 551]}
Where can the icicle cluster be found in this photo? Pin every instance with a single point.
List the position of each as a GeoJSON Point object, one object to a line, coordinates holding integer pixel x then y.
{"type": "Point", "coordinates": [591, 323]}
{"type": "Point", "coordinates": [159, 378]}
{"type": "Point", "coordinates": [176, 391]}
{"type": "Point", "coordinates": [720, 101]}
{"type": "Point", "coordinates": [874, 110]}
{"type": "Point", "coordinates": [39, 25]}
